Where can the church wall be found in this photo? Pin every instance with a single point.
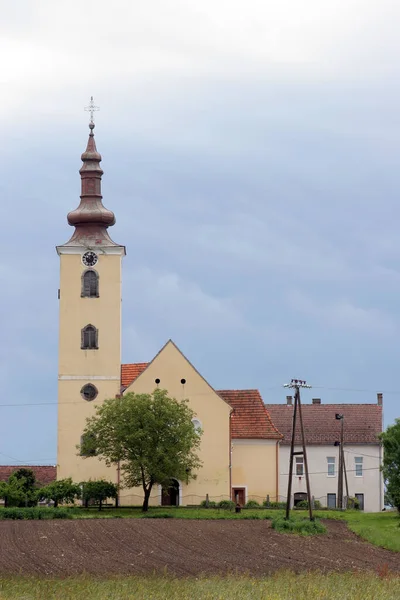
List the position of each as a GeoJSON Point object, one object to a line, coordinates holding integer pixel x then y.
{"type": "Point", "coordinates": [170, 366]}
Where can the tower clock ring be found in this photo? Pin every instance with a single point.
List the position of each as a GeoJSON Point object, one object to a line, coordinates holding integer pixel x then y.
{"type": "Point", "coordinates": [89, 259]}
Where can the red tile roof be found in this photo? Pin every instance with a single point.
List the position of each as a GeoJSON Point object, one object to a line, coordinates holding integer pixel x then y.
{"type": "Point", "coordinates": [250, 418]}
{"type": "Point", "coordinates": [362, 422]}
{"type": "Point", "coordinates": [44, 474]}
{"type": "Point", "coordinates": [130, 372]}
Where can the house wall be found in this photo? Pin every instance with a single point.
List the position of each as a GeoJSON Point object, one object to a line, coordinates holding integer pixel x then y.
{"type": "Point", "coordinates": [254, 464]}
{"type": "Point", "coordinates": [213, 478]}
{"type": "Point", "coordinates": [370, 484]}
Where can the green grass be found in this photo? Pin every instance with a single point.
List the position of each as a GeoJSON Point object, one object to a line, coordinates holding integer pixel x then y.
{"type": "Point", "coordinates": [282, 586]}
{"type": "Point", "coordinates": [298, 525]}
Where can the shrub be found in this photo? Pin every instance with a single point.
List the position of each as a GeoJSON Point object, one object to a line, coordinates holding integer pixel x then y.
{"type": "Point", "coordinates": [252, 504]}
{"type": "Point", "coordinates": [211, 504]}
{"type": "Point", "coordinates": [157, 515]}
{"type": "Point", "coordinates": [297, 525]}
{"type": "Point", "coordinates": [353, 503]}
{"type": "Point", "coordinates": [226, 504]}
{"type": "Point", "coordinates": [35, 513]}
{"type": "Point", "coordinates": [280, 505]}
{"type": "Point", "coordinates": [304, 504]}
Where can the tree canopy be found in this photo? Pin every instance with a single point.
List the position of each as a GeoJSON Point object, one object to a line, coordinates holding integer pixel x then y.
{"type": "Point", "coordinates": [63, 490]}
{"type": "Point", "coordinates": [98, 490]}
{"type": "Point", "coordinates": [20, 489]}
{"type": "Point", "coordinates": [151, 435]}
{"type": "Point", "coordinates": [391, 462]}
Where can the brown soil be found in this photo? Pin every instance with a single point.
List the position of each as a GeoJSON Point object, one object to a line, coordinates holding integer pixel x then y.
{"type": "Point", "coordinates": [180, 547]}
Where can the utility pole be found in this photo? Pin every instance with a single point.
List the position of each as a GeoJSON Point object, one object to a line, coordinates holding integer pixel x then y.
{"type": "Point", "coordinates": [340, 417]}
{"type": "Point", "coordinates": [296, 384]}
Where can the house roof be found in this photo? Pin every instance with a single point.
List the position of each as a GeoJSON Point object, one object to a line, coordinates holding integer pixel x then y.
{"type": "Point", "coordinates": [44, 474]}
{"type": "Point", "coordinates": [362, 422]}
{"type": "Point", "coordinates": [250, 418]}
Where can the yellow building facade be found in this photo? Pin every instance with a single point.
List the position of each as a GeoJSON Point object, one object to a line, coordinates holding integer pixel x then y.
{"type": "Point", "coordinates": [239, 447]}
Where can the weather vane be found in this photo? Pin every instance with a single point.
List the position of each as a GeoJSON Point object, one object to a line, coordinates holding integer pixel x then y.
{"type": "Point", "coordinates": [92, 108]}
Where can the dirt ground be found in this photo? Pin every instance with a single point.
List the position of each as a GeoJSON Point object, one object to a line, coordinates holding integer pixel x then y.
{"type": "Point", "coordinates": [179, 547]}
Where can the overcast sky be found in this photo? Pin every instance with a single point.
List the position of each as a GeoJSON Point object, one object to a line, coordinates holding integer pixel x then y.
{"type": "Point", "coordinates": [251, 156]}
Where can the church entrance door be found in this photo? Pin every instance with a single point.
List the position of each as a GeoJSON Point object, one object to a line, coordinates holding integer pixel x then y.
{"type": "Point", "coordinates": [170, 495]}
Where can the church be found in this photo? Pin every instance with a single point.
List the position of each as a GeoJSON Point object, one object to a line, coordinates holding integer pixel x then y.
{"type": "Point", "coordinates": [240, 444]}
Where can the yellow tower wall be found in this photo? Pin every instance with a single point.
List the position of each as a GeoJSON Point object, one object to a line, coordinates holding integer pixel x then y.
{"type": "Point", "coordinates": [78, 367]}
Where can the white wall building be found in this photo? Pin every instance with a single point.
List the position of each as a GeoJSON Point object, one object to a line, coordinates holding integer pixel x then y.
{"type": "Point", "coordinates": [362, 452]}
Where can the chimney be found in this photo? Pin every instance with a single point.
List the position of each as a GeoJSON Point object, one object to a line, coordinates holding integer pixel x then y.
{"type": "Point", "coordinates": [289, 400]}
{"type": "Point", "coordinates": [380, 399]}
{"type": "Point", "coordinates": [316, 400]}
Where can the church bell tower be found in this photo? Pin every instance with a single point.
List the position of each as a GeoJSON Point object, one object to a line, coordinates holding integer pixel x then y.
{"type": "Point", "coordinates": [89, 362]}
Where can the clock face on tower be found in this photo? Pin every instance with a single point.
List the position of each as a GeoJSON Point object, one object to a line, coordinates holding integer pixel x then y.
{"type": "Point", "coordinates": [89, 259]}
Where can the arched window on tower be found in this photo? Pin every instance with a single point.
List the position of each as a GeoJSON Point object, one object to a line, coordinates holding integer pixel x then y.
{"type": "Point", "coordinates": [90, 284]}
{"type": "Point", "coordinates": [89, 338]}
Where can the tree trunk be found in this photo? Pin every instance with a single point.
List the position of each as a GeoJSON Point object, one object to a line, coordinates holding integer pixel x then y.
{"type": "Point", "coordinates": [100, 503]}
{"type": "Point", "coordinates": [56, 503]}
{"type": "Point", "coordinates": [147, 492]}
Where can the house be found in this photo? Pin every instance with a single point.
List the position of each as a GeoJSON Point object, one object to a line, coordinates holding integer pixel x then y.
{"type": "Point", "coordinates": [239, 445]}
{"type": "Point", "coordinates": [362, 424]}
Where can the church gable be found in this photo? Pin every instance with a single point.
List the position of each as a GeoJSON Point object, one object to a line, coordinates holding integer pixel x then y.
{"type": "Point", "coordinates": [172, 371]}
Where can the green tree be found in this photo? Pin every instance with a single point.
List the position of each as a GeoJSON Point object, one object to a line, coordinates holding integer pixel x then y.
{"type": "Point", "coordinates": [20, 489]}
{"type": "Point", "coordinates": [98, 490]}
{"type": "Point", "coordinates": [63, 490]}
{"type": "Point", "coordinates": [150, 435]}
{"type": "Point", "coordinates": [391, 462]}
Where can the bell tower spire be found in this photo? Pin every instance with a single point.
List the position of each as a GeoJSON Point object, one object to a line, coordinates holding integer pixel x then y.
{"type": "Point", "coordinates": [91, 219]}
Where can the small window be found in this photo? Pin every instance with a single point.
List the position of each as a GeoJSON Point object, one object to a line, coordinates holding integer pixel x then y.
{"type": "Point", "coordinates": [331, 500]}
{"type": "Point", "coordinates": [359, 465]}
{"type": "Point", "coordinates": [331, 466]}
{"type": "Point", "coordinates": [90, 284]}
{"type": "Point", "coordinates": [89, 392]}
{"type": "Point", "coordinates": [197, 425]}
{"type": "Point", "coordinates": [360, 498]}
{"type": "Point", "coordinates": [89, 338]}
{"type": "Point", "coordinates": [90, 445]}
{"type": "Point", "coordinates": [299, 466]}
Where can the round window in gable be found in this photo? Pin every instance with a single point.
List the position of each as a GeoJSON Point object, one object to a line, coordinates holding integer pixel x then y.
{"type": "Point", "coordinates": [89, 392]}
{"type": "Point", "coordinates": [196, 425]}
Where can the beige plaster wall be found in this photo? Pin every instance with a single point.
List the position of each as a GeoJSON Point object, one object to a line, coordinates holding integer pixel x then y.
{"type": "Point", "coordinates": [254, 467]}
{"type": "Point", "coordinates": [170, 366]}
{"type": "Point", "coordinates": [77, 367]}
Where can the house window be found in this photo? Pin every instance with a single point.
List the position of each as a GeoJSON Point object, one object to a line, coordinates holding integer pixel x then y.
{"type": "Point", "coordinates": [331, 466]}
{"type": "Point", "coordinates": [89, 338]}
{"type": "Point", "coordinates": [90, 284]}
{"type": "Point", "coordinates": [299, 466]}
{"type": "Point", "coordinates": [359, 466]}
{"type": "Point", "coordinates": [331, 500]}
{"type": "Point", "coordinates": [360, 498]}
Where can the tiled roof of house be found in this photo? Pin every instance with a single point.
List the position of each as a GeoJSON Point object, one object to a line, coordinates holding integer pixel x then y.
{"type": "Point", "coordinates": [44, 474]}
{"type": "Point", "coordinates": [362, 422]}
{"type": "Point", "coordinates": [250, 418]}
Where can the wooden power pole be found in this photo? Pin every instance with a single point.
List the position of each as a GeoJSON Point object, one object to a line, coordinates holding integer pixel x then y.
{"type": "Point", "coordinates": [296, 384]}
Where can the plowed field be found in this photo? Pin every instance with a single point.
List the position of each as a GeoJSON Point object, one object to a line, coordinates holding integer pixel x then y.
{"type": "Point", "coordinates": [179, 547]}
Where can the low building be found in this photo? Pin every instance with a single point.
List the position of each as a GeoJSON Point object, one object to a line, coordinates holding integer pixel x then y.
{"type": "Point", "coordinates": [44, 474]}
{"type": "Point", "coordinates": [362, 451]}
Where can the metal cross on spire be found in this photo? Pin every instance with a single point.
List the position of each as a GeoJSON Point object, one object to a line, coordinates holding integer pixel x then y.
{"type": "Point", "coordinates": [91, 108]}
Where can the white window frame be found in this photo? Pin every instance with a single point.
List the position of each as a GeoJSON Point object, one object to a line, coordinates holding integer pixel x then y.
{"type": "Point", "coordinates": [358, 465]}
{"type": "Point", "coordinates": [331, 460]}
{"type": "Point", "coordinates": [299, 461]}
